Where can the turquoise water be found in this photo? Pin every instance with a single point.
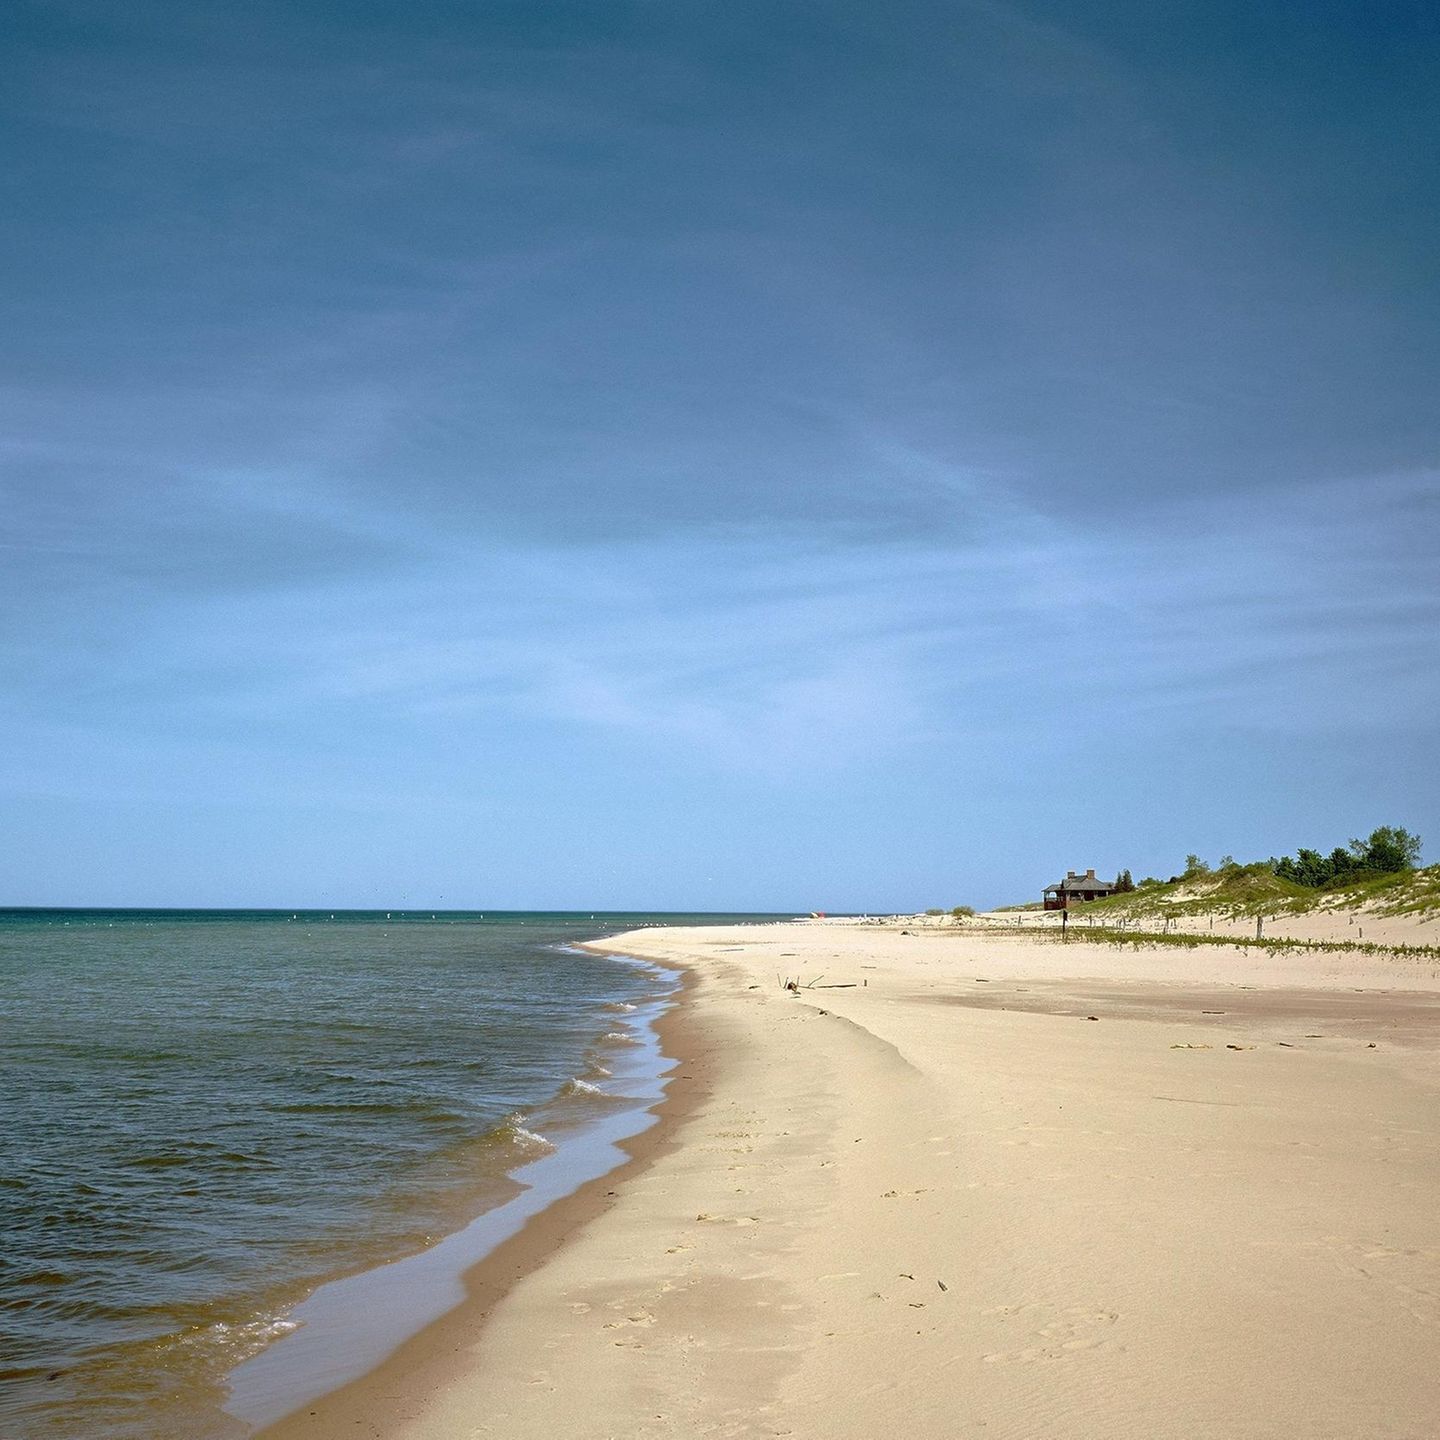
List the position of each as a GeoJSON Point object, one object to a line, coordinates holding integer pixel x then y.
{"type": "Point", "coordinates": [207, 1114]}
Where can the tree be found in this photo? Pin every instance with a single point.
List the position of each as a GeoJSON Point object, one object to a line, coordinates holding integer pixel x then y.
{"type": "Point", "coordinates": [1389, 848]}
{"type": "Point", "coordinates": [1195, 867]}
{"type": "Point", "coordinates": [1123, 883]}
{"type": "Point", "coordinates": [1311, 867]}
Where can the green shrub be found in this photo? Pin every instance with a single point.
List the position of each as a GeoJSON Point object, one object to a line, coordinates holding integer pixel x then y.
{"type": "Point", "coordinates": [1389, 850]}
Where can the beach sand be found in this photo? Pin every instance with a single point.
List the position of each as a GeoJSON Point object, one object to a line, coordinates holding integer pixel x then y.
{"type": "Point", "coordinates": [947, 1201]}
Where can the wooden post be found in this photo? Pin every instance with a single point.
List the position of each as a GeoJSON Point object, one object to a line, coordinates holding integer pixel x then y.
{"type": "Point", "coordinates": [1259, 927]}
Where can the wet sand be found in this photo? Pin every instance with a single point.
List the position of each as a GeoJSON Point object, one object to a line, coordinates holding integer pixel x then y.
{"type": "Point", "coordinates": [948, 1200]}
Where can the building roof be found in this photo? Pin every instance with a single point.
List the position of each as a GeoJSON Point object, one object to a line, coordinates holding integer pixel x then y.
{"type": "Point", "coordinates": [1081, 882]}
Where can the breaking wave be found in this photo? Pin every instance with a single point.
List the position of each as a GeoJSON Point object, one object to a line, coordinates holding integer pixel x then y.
{"type": "Point", "coordinates": [514, 1130]}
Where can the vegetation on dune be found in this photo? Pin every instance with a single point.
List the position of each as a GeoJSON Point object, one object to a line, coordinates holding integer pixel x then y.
{"type": "Point", "coordinates": [1244, 889]}
{"type": "Point", "coordinates": [1390, 850]}
{"type": "Point", "coordinates": [1143, 939]}
{"type": "Point", "coordinates": [1407, 892]}
{"type": "Point", "coordinates": [1379, 871]}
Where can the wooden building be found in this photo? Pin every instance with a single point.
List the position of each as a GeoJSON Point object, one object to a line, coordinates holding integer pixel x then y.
{"type": "Point", "coordinates": [1075, 889]}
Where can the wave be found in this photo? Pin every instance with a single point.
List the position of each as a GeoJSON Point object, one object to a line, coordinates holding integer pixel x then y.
{"type": "Point", "coordinates": [619, 1037]}
{"type": "Point", "coordinates": [619, 1007]}
{"type": "Point", "coordinates": [513, 1130]}
{"type": "Point", "coordinates": [238, 1339]}
{"type": "Point", "coordinates": [196, 1154]}
{"type": "Point", "coordinates": [585, 1089]}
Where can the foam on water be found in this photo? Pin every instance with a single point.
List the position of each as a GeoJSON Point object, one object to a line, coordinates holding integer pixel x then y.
{"type": "Point", "coordinates": [525, 1140]}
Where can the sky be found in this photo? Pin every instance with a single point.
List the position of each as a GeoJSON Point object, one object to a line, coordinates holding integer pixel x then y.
{"type": "Point", "coordinates": [624, 454]}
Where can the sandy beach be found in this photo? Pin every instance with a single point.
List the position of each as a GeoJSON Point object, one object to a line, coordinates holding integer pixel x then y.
{"type": "Point", "coordinates": [995, 1185]}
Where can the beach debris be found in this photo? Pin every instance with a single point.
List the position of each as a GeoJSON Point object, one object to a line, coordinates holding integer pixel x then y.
{"type": "Point", "coordinates": [1286, 1044]}
{"type": "Point", "coordinates": [1371, 1045]}
{"type": "Point", "coordinates": [1092, 1017]}
{"type": "Point", "coordinates": [1239, 1047]}
{"type": "Point", "coordinates": [906, 1275]}
{"type": "Point", "coordinates": [942, 1284]}
{"type": "Point", "coordinates": [1212, 1012]}
{"type": "Point", "coordinates": [1192, 1046]}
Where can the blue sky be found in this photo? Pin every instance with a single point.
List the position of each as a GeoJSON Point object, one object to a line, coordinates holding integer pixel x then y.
{"type": "Point", "coordinates": [677, 455]}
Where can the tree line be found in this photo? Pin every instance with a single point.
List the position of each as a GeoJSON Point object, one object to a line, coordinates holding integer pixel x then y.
{"type": "Point", "coordinates": [1389, 850]}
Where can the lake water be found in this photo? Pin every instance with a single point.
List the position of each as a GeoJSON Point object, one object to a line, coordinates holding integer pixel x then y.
{"type": "Point", "coordinates": [209, 1114]}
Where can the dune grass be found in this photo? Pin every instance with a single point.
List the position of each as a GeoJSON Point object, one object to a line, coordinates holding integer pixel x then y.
{"type": "Point", "coordinates": [1189, 940]}
{"type": "Point", "coordinates": [1249, 890]}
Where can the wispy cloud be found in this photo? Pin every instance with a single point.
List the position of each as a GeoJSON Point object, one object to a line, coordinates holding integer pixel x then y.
{"type": "Point", "coordinates": [772, 652]}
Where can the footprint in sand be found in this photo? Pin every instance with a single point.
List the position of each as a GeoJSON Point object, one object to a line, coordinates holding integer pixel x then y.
{"type": "Point", "coordinates": [1062, 1336]}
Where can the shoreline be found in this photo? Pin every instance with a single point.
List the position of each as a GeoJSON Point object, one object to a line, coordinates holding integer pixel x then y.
{"type": "Point", "coordinates": [379, 1398]}
{"type": "Point", "coordinates": [934, 1196]}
